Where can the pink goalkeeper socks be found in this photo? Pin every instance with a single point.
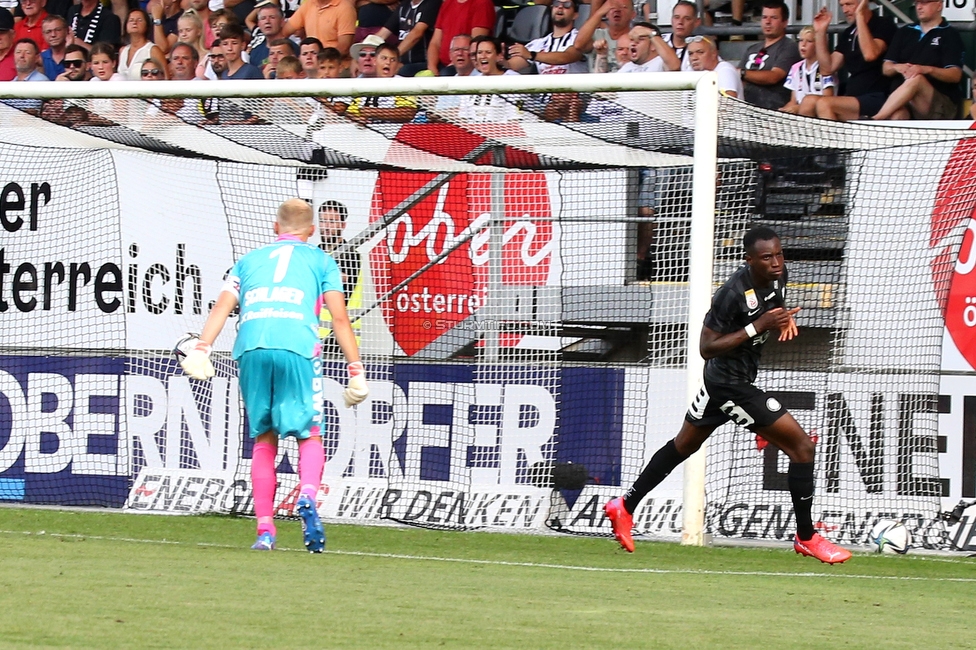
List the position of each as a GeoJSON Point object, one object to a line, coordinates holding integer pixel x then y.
{"type": "Point", "coordinates": [311, 463]}
{"type": "Point", "coordinates": [264, 482]}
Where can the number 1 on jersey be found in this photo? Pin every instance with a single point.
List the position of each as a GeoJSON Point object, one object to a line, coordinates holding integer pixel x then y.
{"type": "Point", "coordinates": [283, 253]}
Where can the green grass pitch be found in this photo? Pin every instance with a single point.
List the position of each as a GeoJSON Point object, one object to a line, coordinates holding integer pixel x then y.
{"type": "Point", "coordinates": [111, 580]}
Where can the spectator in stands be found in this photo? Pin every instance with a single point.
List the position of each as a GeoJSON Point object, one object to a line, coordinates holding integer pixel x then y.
{"type": "Point", "coordinates": [804, 80]}
{"type": "Point", "coordinates": [104, 61]}
{"type": "Point", "coordinates": [860, 52]}
{"type": "Point", "coordinates": [190, 31]}
{"type": "Point", "coordinates": [364, 56]}
{"type": "Point", "coordinates": [25, 63]}
{"type": "Point", "coordinates": [684, 22]}
{"type": "Point", "coordinates": [371, 16]}
{"type": "Point", "coordinates": [488, 57]}
{"type": "Point", "coordinates": [413, 23]}
{"type": "Point", "coordinates": [488, 108]}
{"type": "Point", "coordinates": [599, 41]}
{"type": "Point", "coordinates": [51, 7]}
{"type": "Point", "coordinates": [385, 108]}
{"type": "Point", "coordinates": [309, 56]}
{"type": "Point", "coordinates": [55, 31]}
{"type": "Point", "coordinates": [32, 24]}
{"type": "Point", "coordinates": [280, 48]}
{"type": "Point", "coordinates": [462, 63]}
{"type": "Point", "coordinates": [75, 64]}
{"type": "Point", "coordinates": [621, 53]}
{"type": "Point", "coordinates": [217, 62]}
{"type": "Point", "coordinates": [554, 53]}
{"type": "Point", "coordinates": [152, 70]}
{"type": "Point", "coordinates": [702, 53]}
{"type": "Point", "coordinates": [7, 68]}
{"type": "Point", "coordinates": [183, 62]}
{"type": "Point", "coordinates": [926, 60]}
{"type": "Point", "coordinates": [165, 19]}
{"type": "Point", "coordinates": [139, 47]}
{"type": "Point", "coordinates": [26, 58]}
{"type": "Point", "coordinates": [332, 222]}
{"type": "Point", "coordinates": [91, 22]}
{"type": "Point", "coordinates": [270, 22]}
{"type": "Point", "coordinates": [456, 17]}
{"type": "Point", "coordinates": [202, 9]}
{"type": "Point", "coordinates": [765, 64]}
{"type": "Point", "coordinates": [330, 63]}
{"type": "Point", "coordinates": [220, 18]}
{"type": "Point", "coordinates": [232, 42]}
{"type": "Point", "coordinates": [648, 51]}
{"type": "Point", "coordinates": [289, 67]}
{"type": "Point", "coordinates": [333, 22]}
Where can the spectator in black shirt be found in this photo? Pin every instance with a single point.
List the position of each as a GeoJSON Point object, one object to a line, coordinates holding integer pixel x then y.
{"type": "Point", "coordinates": [926, 60]}
{"type": "Point", "coordinates": [413, 23]}
{"type": "Point", "coordinates": [91, 22]}
{"type": "Point", "coordinates": [745, 311]}
{"type": "Point", "coordinates": [860, 51]}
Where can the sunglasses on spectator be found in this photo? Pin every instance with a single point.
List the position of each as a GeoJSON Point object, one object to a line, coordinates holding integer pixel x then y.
{"type": "Point", "coordinates": [699, 39]}
{"type": "Point", "coordinates": [74, 63]}
{"type": "Point", "coordinates": [154, 72]}
{"type": "Point", "coordinates": [363, 55]}
{"type": "Point", "coordinates": [565, 4]}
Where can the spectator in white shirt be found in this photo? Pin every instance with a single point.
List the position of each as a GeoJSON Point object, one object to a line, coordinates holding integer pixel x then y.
{"type": "Point", "coordinates": [703, 54]}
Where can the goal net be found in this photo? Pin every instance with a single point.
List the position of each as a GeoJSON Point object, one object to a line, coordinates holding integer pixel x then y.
{"type": "Point", "coordinates": [524, 260]}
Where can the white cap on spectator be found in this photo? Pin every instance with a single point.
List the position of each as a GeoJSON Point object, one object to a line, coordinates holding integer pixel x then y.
{"type": "Point", "coordinates": [372, 40]}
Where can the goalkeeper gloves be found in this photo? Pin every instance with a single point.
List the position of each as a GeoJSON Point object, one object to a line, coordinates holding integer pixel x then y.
{"type": "Point", "coordinates": [356, 391]}
{"type": "Point", "coordinates": [196, 360]}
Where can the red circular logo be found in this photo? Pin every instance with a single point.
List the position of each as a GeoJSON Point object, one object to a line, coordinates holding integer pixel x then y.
{"type": "Point", "coordinates": [953, 275]}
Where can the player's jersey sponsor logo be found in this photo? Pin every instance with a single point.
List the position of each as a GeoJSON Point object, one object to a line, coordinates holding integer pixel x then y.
{"type": "Point", "coordinates": [770, 296]}
{"type": "Point", "coordinates": [752, 300]}
{"type": "Point", "coordinates": [773, 405]}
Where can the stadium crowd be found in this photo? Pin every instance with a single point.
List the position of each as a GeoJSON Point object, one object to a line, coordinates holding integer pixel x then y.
{"type": "Point", "coordinates": [911, 72]}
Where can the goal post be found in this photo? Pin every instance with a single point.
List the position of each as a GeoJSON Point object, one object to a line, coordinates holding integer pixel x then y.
{"type": "Point", "coordinates": [700, 273]}
{"type": "Point", "coordinates": [528, 261]}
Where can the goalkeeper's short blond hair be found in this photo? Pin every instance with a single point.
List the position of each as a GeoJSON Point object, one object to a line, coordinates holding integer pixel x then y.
{"type": "Point", "coordinates": [294, 215]}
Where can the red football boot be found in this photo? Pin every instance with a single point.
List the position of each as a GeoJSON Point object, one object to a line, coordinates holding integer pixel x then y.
{"type": "Point", "coordinates": [622, 522]}
{"type": "Point", "coordinates": [822, 549]}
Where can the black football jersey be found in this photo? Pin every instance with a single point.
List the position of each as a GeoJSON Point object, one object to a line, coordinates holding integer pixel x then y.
{"type": "Point", "coordinates": [736, 304]}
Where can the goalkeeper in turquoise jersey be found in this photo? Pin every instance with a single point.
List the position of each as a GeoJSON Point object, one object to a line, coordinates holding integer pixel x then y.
{"type": "Point", "coordinates": [281, 288]}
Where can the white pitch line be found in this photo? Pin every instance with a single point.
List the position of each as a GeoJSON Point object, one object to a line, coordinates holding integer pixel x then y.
{"type": "Point", "coordinates": [534, 565]}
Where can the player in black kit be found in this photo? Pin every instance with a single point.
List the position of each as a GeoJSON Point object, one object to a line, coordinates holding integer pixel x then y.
{"type": "Point", "coordinates": [745, 311]}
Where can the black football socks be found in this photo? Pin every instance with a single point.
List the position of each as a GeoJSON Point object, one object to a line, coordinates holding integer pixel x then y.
{"type": "Point", "coordinates": [800, 481]}
{"type": "Point", "coordinates": [662, 463]}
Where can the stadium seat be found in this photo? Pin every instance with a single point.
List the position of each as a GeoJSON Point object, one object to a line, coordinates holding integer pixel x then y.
{"type": "Point", "coordinates": [584, 13]}
{"type": "Point", "coordinates": [499, 22]}
{"type": "Point", "coordinates": [732, 51]}
{"type": "Point", "coordinates": [530, 23]}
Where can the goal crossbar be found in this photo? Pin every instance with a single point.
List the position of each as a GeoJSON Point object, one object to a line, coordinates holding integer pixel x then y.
{"type": "Point", "coordinates": [359, 87]}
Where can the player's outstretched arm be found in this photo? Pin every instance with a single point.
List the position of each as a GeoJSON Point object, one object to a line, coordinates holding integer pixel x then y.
{"type": "Point", "coordinates": [356, 391]}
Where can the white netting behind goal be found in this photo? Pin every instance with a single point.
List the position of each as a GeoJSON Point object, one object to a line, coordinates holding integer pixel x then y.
{"type": "Point", "coordinates": [517, 265]}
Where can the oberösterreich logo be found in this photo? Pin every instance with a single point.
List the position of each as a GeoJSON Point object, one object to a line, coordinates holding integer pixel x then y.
{"type": "Point", "coordinates": [456, 287]}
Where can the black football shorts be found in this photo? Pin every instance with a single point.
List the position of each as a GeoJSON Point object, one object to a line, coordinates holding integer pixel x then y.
{"type": "Point", "coordinates": [744, 404]}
